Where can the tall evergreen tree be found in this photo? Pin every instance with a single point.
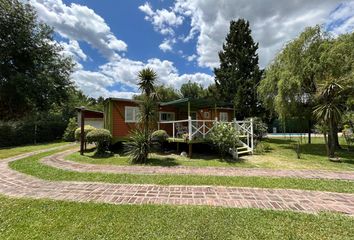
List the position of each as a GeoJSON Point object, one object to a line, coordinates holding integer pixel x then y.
{"type": "Point", "coordinates": [238, 75]}
{"type": "Point", "coordinates": [34, 74]}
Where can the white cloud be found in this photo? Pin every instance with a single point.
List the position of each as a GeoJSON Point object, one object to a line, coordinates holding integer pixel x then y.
{"type": "Point", "coordinates": [162, 19]}
{"type": "Point", "coordinates": [72, 49]}
{"type": "Point", "coordinates": [341, 20]}
{"type": "Point", "coordinates": [166, 45]}
{"type": "Point", "coordinates": [79, 23]}
{"type": "Point", "coordinates": [273, 23]}
{"type": "Point", "coordinates": [191, 57]}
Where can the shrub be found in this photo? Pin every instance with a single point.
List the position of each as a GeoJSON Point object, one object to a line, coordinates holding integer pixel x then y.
{"type": "Point", "coordinates": [138, 146]}
{"type": "Point", "coordinates": [23, 132]}
{"type": "Point", "coordinates": [101, 137]}
{"type": "Point", "coordinates": [224, 137]}
{"type": "Point", "coordinates": [69, 134]}
{"type": "Point", "coordinates": [260, 128]}
{"type": "Point", "coordinates": [262, 147]}
{"type": "Point", "coordinates": [159, 136]}
{"type": "Point", "coordinates": [87, 129]}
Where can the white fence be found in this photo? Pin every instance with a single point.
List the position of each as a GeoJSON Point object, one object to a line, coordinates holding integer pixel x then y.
{"type": "Point", "coordinates": [192, 129]}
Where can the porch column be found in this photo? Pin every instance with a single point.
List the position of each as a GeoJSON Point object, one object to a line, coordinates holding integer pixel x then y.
{"type": "Point", "coordinates": [189, 128]}
{"type": "Point", "coordinates": [252, 134]}
{"type": "Point", "coordinates": [189, 108]}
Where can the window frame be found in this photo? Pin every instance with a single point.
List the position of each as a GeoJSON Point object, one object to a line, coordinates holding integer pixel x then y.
{"type": "Point", "coordinates": [172, 113]}
{"type": "Point", "coordinates": [227, 116]}
{"type": "Point", "coordinates": [135, 114]}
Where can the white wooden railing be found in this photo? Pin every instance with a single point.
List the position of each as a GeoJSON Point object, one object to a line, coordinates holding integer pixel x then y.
{"type": "Point", "coordinates": [202, 128]}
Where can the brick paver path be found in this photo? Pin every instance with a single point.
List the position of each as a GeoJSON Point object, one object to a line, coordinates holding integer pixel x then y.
{"type": "Point", "coordinates": [58, 161]}
{"type": "Point", "coordinates": [15, 184]}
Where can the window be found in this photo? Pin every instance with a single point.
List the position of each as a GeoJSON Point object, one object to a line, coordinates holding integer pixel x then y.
{"type": "Point", "coordinates": [206, 115]}
{"type": "Point", "coordinates": [224, 117]}
{"type": "Point", "coordinates": [131, 114]}
{"type": "Point", "coordinates": [167, 116]}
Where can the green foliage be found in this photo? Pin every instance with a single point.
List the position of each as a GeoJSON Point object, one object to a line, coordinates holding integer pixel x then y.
{"type": "Point", "coordinates": [159, 136]}
{"type": "Point", "coordinates": [289, 85]}
{"type": "Point", "coordinates": [238, 75]}
{"type": "Point", "coordinates": [260, 128]}
{"type": "Point", "coordinates": [29, 131]}
{"type": "Point", "coordinates": [192, 90]}
{"type": "Point", "coordinates": [87, 129]}
{"type": "Point", "coordinates": [166, 94]}
{"type": "Point", "coordinates": [69, 134]}
{"type": "Point", "coordinates": [34, 73]}
{"type": "Point", "coordinates": [147, 78]}
{"type": "Point", "coordinates": [262, 147]}
{"type": "Point", "coordinates": [138, 146]}
{"type": "Point", "coordinates": [101, 137]}
{"type": "Point", "coordinates": [223, 136]}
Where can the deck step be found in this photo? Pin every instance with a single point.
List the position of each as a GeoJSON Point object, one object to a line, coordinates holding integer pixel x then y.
{"type": "Point", "coordinates": [241, 148]}
{"type": "Point", "coordinates": [243, 152]}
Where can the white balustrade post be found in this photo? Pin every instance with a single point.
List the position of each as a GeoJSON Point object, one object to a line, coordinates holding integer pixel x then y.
{"type": "Point", "coordinates": [189, 128]}
{"type": "Point", "coordinates": [252, 134]}
{"type": "Point", "coordinates": [173, 130]}
{"type": "Point", "coordinates": [203, 129]}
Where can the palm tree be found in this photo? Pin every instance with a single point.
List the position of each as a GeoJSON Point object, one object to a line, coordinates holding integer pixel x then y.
{"type": "Point", "coordinates": [329, 110]}
{"type": "Point", "coordinates": [139, 145]}
{"type": "Point", "coordinates": [147, 79]}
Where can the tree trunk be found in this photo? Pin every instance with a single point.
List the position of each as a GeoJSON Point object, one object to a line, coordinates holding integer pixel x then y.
{"type": "Point", "coordinates": [332, 146]}
{"type": "Point", "coordinates": [326, 142]}
{"type": "Point", "coordinates": [309, 130]}
{"type": "Point", "coordinates": [336, 140]}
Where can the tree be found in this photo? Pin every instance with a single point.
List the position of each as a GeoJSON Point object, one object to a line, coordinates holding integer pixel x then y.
{"type": "Point", "coordinates": [34, 74]}
{"type": "Point", "coordinates": [330, 107]}
{"type": "Point", "coordinates": [192, 90]}
{"type": "Point", "coordinates": [147, 79]}
{"type": "Point", "coordinates": [163, 94]}
{"type": "Point", "coordinates": [238, 75]}
{"type": "Point", "coordinates": [140, 141]}
{"type": "Point", "coordinates": [289, 85]}
{"type": "Point", "coordinates": [166, 94]}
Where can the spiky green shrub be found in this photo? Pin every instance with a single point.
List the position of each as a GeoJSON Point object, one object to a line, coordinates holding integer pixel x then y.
{"type": "Point", "coordinates": [101, 137]}
{"type": "Point", "coordinates": [138, 146]}
{"type": "Point", "coordinates": [224, 137]}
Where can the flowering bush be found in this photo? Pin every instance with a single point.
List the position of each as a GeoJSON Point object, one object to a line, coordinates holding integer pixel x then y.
{"type": "Point", "coordinates": [223, 136]}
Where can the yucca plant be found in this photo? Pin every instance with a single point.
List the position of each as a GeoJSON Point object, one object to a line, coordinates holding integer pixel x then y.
{"type": "Point", "coordinates": [138, 146]}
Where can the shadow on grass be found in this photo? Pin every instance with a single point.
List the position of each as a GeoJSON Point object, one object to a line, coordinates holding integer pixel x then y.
{"type": "Point", "coordinates": [165, 162]}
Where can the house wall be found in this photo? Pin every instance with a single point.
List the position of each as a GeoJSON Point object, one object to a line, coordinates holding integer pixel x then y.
{"type": "Point", "coordinates": [121, 129]}
{"type": "Point", "coordinates": [93, 119]}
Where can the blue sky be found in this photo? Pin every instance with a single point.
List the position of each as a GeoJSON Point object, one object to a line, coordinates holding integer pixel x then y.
{"type": "Point", "coordinates": [112, 40]}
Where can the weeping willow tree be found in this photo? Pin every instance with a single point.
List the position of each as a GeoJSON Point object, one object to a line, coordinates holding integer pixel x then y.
{"type": "Point", "coordinates": [290, 83]}
{"type": "Point", "coordinates": [293, 85]}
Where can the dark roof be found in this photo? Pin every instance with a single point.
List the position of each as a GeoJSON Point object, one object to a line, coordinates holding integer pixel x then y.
{"type": "Point", "coordinates": [197, 103]}
{"type": "Point", "coordinates": [88, 110]}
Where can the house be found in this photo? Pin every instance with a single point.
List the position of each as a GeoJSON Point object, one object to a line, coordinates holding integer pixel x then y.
{"type": "Point", "coordinates": [185, 120]}
{"type": "Point", "coordinates": [92, 117]}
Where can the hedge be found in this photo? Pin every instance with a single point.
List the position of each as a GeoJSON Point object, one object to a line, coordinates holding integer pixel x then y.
{"type": "Point", "coordinates": [23, 132]}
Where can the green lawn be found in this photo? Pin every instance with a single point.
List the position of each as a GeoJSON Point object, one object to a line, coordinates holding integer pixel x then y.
{"type": "Point", "coordinates": [280, 156]}
{"type": "Point", "coordinates": [44, 219]}
{"type": "Point", "coordinates": [9, 152]}
{"type": "Point", "coordinates": [31, 166]}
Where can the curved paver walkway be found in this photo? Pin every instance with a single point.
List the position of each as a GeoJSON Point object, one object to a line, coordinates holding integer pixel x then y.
{"type": "Point", "coordinates": [13, 183]}
{"type": "Point", "coordinates": [58, 161]}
